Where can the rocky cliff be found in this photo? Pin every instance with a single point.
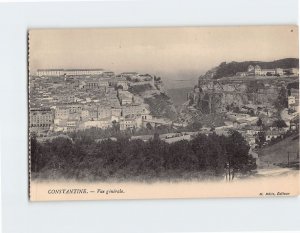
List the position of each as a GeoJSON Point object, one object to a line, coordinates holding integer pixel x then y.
{"type": "Point", "coordinates": [216, 96]}
{"type": "Point", "coordinates": [219, 90]}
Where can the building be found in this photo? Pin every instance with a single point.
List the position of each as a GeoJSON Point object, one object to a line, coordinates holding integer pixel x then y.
{"type": "Point", "coordinates": [50, 72]}
{"type": "Point", "coordinates": [129, 75]}
{"type": "Point", "coordinates": [91, 84]}
{"type": "Point", "coordinates": [279, 71]}
{"type": "Point", "coordinates": [242, 74]}
{"type": "Point", "coordinates": [258, 71]}
{"type": "Point", "coordinates": [128, 123]}
{"type": "Point", "coordinates": [103, 83]}
{"type": "Point", "coordinates": [267, 72]}
{"type": "Point", "coordinates": [291, 101]}
{"type": "Point", "coordinates": [82, 72]}
{"type": "Point", "coordinates": [68, 72]}
{"type": "Point", "coordinates": [123, 84]}
{"type": "Point", "coordinates": [176, 137]}
{"type": "Point", "coordinates": [40, 120]}
{"type": "Point", "coordinates": [270, 134]}
{"type": "Point", "coordinates": [85, 114]}
{"type": "Point", "coordinates": [62, 112]}
{"type": "Point", "coordinates": [292, 71]}
{"type": "Point", "coordinates": [108, 75]}
{"type": "Point", "coordinates": [294, 123]}
{"type": "Point", "coordinates": [102, 124]}
{"type": "Point", "coordinates": [132, 109]}
{"type": "Point", "coordinates": [117, 112]}
{"type": "Point", "coordinates": [104, 112]}
{"type": "Point", "coordinates": [125, 97]}
{"type": "Point", "coordinates": [71, 126]}
{"type": "Point", "coordinates": [252, 130]}
{"type": "Point", "coordinates": [74, 108]}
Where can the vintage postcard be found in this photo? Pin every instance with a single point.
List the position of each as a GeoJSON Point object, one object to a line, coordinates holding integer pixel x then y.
{"type": "Point", "coordinates": [178, 112]}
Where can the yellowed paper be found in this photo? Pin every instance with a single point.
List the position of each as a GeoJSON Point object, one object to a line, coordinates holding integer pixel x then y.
{"type": "Point", "coordinates": [147, 113]}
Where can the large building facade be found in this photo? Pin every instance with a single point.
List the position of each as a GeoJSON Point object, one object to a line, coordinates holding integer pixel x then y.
{"type": "Point", "coordinates": [258, 71]}
{"type": "Point", "coordinates": [68, 72]}
{"type": "Point", "coordinates": [40, 120]}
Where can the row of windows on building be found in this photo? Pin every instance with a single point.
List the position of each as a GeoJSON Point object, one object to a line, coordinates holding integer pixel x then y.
{"type": "Point", "coordinates": [40, 125]}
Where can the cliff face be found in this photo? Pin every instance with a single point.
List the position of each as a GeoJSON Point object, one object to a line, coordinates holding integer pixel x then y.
{"type": "Point", "coordinates": [215, 97]}
{"type": "Point", "coordinates": [219, 89]}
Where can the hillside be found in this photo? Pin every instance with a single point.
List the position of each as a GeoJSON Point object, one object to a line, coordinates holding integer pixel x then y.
{"type": "Point", "coordinates": [277, 154]}
{"type": "Point", "coordinates": [160, 104]}
{"type": "Point", "coordinates": [231, 68]}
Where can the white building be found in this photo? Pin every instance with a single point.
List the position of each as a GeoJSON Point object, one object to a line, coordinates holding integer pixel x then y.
{"type": "Point", "coordinates": [102, 124]}
{"type": "Point", "coordinates": [125, 97]}
{"type": "Point", "coordinates": [49, 72]}
{"type": "Point", "coordinates": [68, 72]}
{"type": "Point", "coordinates": [128, 123]}
{"type": "Point", "coordinates": [258, 71]}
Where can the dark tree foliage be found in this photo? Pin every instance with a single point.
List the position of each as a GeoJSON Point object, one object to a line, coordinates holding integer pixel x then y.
{"type": "Point", "coordinates": [160, 105]}
{"type": "Point", "coordinates": [149, 126]}
{"type": "Point", "coordinates": [279, 123]}
{"type": "Point", "coordinates": [259, 122]}
{"type": "Point", "coordinates": [282, 100]}
{"type": "Point", "coordinates": [126, 159]}
{"type": "Point", "coordinates": [139, 89]}
{"type": "Point", "coordinates": [194, 126]}
{"type": "Point", "coordinates": [191, 100]}
{"type": "Point", "coordinates": [261, 138]}
{"type": "Point", "coordinates": [294, 85]}
{"type": "Point", "coordinates": [237, 157]}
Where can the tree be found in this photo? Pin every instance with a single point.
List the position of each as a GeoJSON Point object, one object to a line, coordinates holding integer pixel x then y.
{"type": "Point", "coordinates": [191, 100]}
{"type": "Point", "coordinates": [157, 78]}
{"type": "Point", "coordinates": [115, 126]}
{"type": "Point", "coordinates": [269, 74]}
{"type": "Point", "coordinates": [251, 112]}
{"type": "Point", "coordinates": [282, 100]}
{"type": "Point", "coordinates": [149, 126]}
{"type": "Point", "coordinates": [261, 138]}
{"type": "Point", "coordinates": [196, 125]}
{"type": "Point", "coordinates": [237, 154]}
{"type": "Point", "coordinates": [259, 122]}
{"type": "Point", "coordinates": [280, 123]}
{"type": "Point", "coordinates": [288, 72]}
{"type": "Point", "coordinates": [35, 154]}
{"type": "Point", "coordinates": [236, 109]}
{"type": "Point", "coordinates": [119, 87]}
{"type": "Point", "coordinates": [156, 136]}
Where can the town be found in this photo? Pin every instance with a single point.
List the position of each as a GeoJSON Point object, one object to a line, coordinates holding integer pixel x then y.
{"type": "Point", "coordinates": [70, 100]}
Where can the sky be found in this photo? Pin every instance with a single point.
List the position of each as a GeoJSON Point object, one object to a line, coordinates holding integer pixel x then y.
{"type": "Point", "coordinates": [179, 55]}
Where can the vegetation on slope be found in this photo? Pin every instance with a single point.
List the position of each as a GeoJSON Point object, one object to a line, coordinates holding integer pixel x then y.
{"type": "Point", "coordinates": [159, 103]}
{"type": "Point", "coordinates": [139, 89]}
{"type": "Point", "coordinates": [161, 106]}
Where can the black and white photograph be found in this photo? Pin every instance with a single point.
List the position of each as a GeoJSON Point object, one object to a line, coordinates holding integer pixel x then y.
{"type": "Point", "coordinates": [142, 113]}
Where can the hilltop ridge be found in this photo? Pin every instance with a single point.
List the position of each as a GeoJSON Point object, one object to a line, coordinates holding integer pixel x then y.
{"type": "Point", "coordinates": [230, 69]}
